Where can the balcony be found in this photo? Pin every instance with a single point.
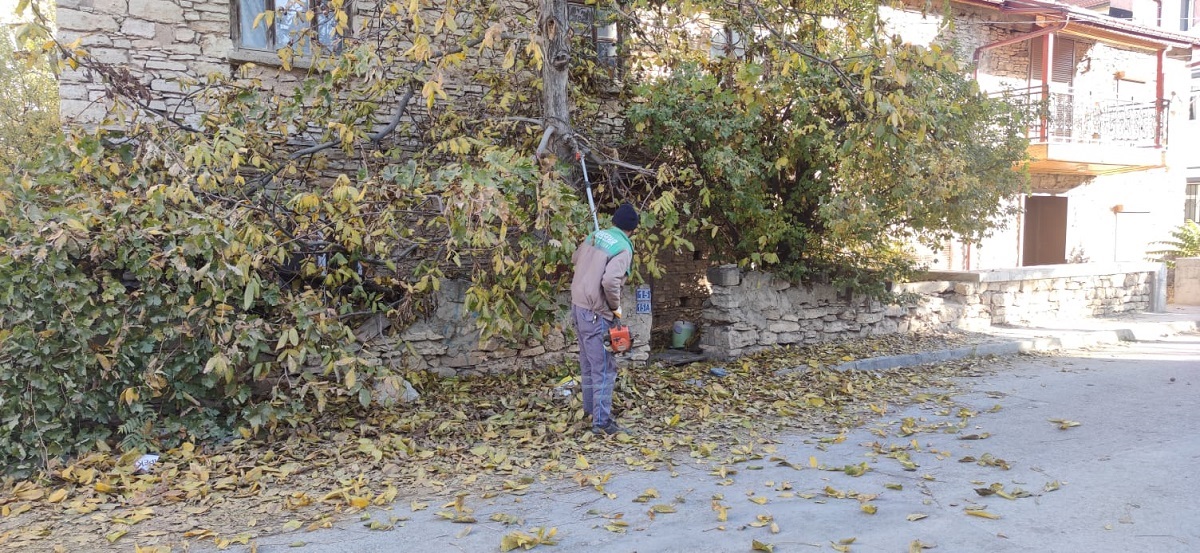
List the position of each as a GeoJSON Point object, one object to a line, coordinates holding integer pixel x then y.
{"type": "Point", "coordinates": [1072, 135]}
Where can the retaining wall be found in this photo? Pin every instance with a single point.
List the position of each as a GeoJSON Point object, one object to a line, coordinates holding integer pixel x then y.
{"type": "Point", "coordinates": [447, 341]}
{"type": "Point", "coordinates": [752, 311]}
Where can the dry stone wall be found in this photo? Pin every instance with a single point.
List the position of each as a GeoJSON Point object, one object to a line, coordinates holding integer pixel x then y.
{"type": "Point", "coordinates": [447, 341]}
{"type": "Point", "coordinates": [753, 311]}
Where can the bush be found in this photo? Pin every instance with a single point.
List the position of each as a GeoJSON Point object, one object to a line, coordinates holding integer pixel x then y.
{"type": "Point", "coordinates": [131, 308]}
{"type": "Point", "coordinates": [1184, 242]}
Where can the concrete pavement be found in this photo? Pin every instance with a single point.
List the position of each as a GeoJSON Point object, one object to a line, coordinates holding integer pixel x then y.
{"type": "Point", "coordinates": [1122, 479]}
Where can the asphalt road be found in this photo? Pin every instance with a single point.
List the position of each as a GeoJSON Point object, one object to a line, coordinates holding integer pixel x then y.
{"type": "Point", "coordinates": [1123, 479]}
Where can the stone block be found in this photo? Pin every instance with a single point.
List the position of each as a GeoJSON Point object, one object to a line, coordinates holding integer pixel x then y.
{"type": "Point", "coordinates": [166, 65]}
{"type": "Point", "coordinates": [110, 55]}
{"type": "Point", "coordinates": [116, 7]}
{"type": "Point", "coordinates": [163, 85]}
{"type": "Point", "coordinates": [966, 288]}
{"type": "Point", "coordinates": [869, 318]}
{"type": "Point", "coordinates": [533, 352]}
{"type": "Point", "coordinates": [138, 27]}
{"type": "Point", "coordinates": [785, 338]}
{"type": "Point", "coordinates": [931, 287]}
{"type": "Point", "coordinates": [812, 313]}
{"type": "Point", "coordinates": [162, 11]}
{"type": "Point", "coordinates": [421, 331]}
{"type": "Point", "coordinates": [725, 275]}
{"type": "Point", "coordinates": [783, 326]}
{"type": "Point", "coordinates": [428, 349]}
{"type": "Point", "coordinates": [75, 20]}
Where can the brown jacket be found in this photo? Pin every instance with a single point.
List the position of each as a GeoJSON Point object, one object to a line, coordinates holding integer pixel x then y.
{"type": "Point", "coordinates": [602, 263]}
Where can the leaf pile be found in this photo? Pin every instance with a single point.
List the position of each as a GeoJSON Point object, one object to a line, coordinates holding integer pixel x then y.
{"type": "Point", "coordinates": [484, 436]}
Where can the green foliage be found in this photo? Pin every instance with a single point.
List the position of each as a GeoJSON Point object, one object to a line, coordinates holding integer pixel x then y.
{"type": "Point", "coordinates": [824, 151]}
{"type": "Point", "coordinates": [29, 104]}
{"type": "Point", "coordinates": [163, 279]}
{"type": "Point", "coordinates": [1184, 242]}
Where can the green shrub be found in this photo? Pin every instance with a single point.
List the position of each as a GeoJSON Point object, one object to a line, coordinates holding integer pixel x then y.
{"type": "Point", "coordinates": [1184, 242]}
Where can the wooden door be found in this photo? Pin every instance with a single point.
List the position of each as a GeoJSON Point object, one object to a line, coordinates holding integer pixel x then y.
{"type": "Point", "coordinates": [1045, 230]}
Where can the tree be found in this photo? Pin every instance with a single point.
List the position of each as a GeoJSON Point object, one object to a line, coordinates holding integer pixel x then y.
{"type": "Point", "coordinates": [29, 105]}
{"type": "Point", "coordinates": [817, 146]}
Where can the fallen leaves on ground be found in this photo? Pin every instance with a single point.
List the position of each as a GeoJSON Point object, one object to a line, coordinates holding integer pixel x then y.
{"type": "Point", "coordinates": [480, 437]}
{"type": "Point", "coordinates": [1064, 424]}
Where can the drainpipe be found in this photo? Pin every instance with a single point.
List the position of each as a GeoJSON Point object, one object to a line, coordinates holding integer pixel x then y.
{"type": "Point", "coordinates": [1013, 40]}
{"type": "Point", "coordinates": [1158, 100]}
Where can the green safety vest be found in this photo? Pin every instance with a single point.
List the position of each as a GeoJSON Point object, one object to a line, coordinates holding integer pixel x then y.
{"type": "Point", "coordinates": [613, 241]}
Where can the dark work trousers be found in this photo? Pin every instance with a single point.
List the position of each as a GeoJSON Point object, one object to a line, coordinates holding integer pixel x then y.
{"type": "Point", "coordinates": [597, 365]}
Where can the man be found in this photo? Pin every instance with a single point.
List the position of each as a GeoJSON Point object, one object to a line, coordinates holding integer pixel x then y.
{"type": "Point", "coordinates": [602, 263]}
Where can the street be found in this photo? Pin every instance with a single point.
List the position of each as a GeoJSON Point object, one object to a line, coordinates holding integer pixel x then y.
{"type": "Point", "coordinates": [1084, 451]}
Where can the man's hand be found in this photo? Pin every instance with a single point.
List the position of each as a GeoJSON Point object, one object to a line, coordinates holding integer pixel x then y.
{"type": "Point", "coordinates": [617, 312]}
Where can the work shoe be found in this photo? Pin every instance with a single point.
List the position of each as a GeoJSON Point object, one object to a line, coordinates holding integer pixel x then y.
{"type": "Point", "coordinates": [611, 429]}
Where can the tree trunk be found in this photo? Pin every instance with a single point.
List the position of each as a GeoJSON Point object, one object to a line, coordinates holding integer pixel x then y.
{"type": "Point", "coordinates": [556, 48]}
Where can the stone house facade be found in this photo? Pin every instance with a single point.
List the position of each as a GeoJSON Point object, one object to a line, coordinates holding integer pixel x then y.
{"type": "Point", "coordinates": [1109, 160]}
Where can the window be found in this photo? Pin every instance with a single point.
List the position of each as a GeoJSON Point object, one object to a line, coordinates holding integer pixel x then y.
{"type": "Point", "coordinates": [598, 28]}
{"type": "Point", "coordinates": [1062, 67]}
{"type": "Point", "coordinates": [1194, 99]}
{"type": "Point", "coordinates": [293, 22]}
{"type": "Point", "coordinates": [727, 42]}
{"type": "Point", "coordinates": [1191, 208]}
{"type": "Point", "coordinates": [1187, 15]}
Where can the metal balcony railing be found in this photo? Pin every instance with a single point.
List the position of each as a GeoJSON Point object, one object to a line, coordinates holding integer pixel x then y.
{"type": "Point", "coordinates": [1061, 116]}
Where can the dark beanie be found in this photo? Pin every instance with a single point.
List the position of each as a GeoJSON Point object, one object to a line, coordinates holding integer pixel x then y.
{"type": "Point", "coordinates": [626, 218]}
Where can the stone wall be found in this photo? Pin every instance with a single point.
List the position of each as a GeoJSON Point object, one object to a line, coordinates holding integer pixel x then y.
{"type": "Point", "coordinates": [171, 46]}
{"type": "Point", "coordinates": [447, 341]}
{"type": "Point", "coordinates": [1187, 281]}
{"type": "Point", "coordinates": [754, 311]}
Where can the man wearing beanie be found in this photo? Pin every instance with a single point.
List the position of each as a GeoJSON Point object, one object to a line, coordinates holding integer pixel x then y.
{"type": "Point", "coordinates": [602, 263]}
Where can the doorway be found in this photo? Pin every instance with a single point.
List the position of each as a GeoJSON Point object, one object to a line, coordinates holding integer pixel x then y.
{"type": "Point", "coordinates": [1045, 230]}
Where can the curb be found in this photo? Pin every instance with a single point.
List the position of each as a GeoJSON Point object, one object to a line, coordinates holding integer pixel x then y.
{"type": "Point", "coordinates": [1067, 340]}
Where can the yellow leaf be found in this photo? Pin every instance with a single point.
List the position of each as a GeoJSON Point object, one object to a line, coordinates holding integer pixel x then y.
{"type": "Point", "coordinates": [868, 508]}
{"type": "Point", "coordinates": [1064, 424]}
{"type": "Point", "coordinates": [104, 487]}
{"type": "Point", "coordinates": [760, 546]}
{"type": "Point", "coordinates": [581, 462]}
{"type": "Point", "coordinates": [916, 516]}
{"type": "Point", "coordinates": [761, 500]}
{"type": "Point", "coordinates": [812, 462]}
{"type": "Point", "coordinates": [981, 514]}
{"type": "Point", "coordinates": [292, 525]}
{"type": "Point", "coordinates": [57, 496]}
{"type": "Point", "coordinates": [31, 494]}
{"type": "Point", "coordinates": [917, 546]}
{"type": "Point", "coordinates": [360, 502]}
{"type": "Point", "coordinates": [663, 508]}
{"type": "Point", "coordinates": [112, 537]}
{"type": "Point", "coordinates": [510, 57]}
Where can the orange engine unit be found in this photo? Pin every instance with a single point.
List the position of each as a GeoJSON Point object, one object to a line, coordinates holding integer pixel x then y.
{"type": "Point", "coordinates": [620, 340]}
